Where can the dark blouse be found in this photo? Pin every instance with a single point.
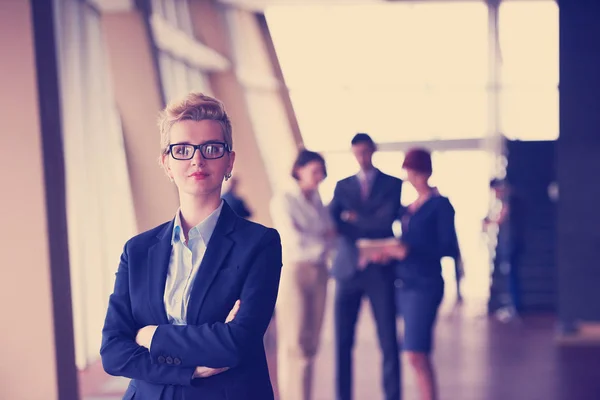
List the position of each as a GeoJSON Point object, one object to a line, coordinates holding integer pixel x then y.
{"type": "Point", "coordinates": [430, 234]}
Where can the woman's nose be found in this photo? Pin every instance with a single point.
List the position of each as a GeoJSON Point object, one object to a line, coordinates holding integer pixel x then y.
{"type": "Point", "coordinates": [198, 159]}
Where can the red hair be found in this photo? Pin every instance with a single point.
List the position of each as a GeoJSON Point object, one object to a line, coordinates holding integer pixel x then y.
{"type": "Point", "coordinates": [418, 160]}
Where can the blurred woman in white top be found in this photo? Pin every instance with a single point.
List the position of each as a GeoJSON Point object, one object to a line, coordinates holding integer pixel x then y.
{"type": "Point", "coordinates": [307, 234]}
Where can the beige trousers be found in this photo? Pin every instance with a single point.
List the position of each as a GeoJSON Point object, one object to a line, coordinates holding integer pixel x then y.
{"type": "Point", "coordinates": [299, 317]}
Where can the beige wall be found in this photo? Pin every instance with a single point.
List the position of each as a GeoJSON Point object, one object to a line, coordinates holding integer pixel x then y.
{"type": "Point", "coordinates": [210, 28]}
{"type": "Point", "coordinates": [28, 366]}
{"type": "Point", "coordinates": [284, 93]}
{"type": "Point", "coordinates": [138, 98]}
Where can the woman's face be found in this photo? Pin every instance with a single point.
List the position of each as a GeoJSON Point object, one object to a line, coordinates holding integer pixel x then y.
{"type": "Point", "coordinates": [311, 175]}
{"type": "Point", "coordinates": [415, 178]}
{"type": "Point", "coordinates": [198, 176]}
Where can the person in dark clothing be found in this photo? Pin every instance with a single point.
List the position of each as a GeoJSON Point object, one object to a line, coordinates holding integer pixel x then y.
{"type": "Point", "coordinates": [365, 206]}
{"type": "Point", "coordinates": [509, 246]}
{"type": "Point", "coordinates": [428, 234]}
{"type": "Point", "coordinates": [236, 203]}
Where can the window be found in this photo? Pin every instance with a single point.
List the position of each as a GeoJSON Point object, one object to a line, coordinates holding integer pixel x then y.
{"type": "Point", "coordinates": [179, 75]}
{"type": "Point", "coordinates": [175, 12]}
{"type": "Point", "coordinates": [178, 78]}
{"type": "Point", "coordinates": [401, 72]}
{"type": "Point", "coordinates": [530, 69]}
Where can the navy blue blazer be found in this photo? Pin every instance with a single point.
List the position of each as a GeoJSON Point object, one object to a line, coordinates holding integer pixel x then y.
{"type": "Point", "coordinates": [375, 217]}
{"type": "Point", "coordinates": [430, 234]}
{"type": "Point", "coordinates": [242, 261]}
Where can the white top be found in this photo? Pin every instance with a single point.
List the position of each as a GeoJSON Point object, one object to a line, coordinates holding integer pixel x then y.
{"type": "Point", "coordinates": [186, 257]}
{"type": "Point", "coordinates": [304, 225]}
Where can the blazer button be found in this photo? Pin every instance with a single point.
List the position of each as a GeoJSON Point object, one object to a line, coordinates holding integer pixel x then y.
{"type": "Point", "coordinates": [399, 283]}
{"type": "Point", "coordinates": [161, 360]}
{"type": "Point", "coordinates": [169, 360]}
{"type": "Point", "coordinates": [176, 361]}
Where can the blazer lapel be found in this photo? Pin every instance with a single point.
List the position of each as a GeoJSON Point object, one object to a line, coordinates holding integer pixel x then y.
{"type": "Point", "coordinates": [378, 188]}
{"type": "Point", "coordinates": [218, 248]}
{"type": "Point", "coordinates": [159, 256]}
{"type": "Point", "coordinates": [355, 191]}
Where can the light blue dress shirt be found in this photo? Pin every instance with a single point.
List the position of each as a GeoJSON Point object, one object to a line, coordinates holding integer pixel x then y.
{"type": "Point", "coordinates": [186, 257]}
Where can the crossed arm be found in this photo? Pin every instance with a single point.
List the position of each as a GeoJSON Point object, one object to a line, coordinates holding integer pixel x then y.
{"type": "Point", "coordinates": [353, 225]}
{"type": "Point", "coordinates": [218, 345]}
{"type": "Point", "coordinates": [145, 335]}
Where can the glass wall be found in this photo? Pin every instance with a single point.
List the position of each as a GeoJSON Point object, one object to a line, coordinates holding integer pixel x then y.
{"type": "Point", "coordinates": [423, 72]}
{"type": "Point", "coordinates": [529, 107]}
{"type": "Point", "coordinates": [419, 70]}
{"type": "Point", "coordinates": [402, 72]}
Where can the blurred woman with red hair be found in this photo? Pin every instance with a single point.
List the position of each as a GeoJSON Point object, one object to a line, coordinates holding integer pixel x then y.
{"type": "Point", "coordinates": [428, 234]}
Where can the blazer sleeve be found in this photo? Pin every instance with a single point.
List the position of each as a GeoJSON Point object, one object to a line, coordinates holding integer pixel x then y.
{"type": "Point", "coordinates": [121, 355]}
{"type": "Point", "coordinates": [283, 219]}
{"type": "Point", "coordinates": [447, 232]}
{"type": "Point", "coordinates": [336, 209]}
{"type": "Point", "coordinates": [219, 344]}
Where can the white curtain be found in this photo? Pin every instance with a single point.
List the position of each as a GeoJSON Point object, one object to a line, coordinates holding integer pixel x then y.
{"type": "Point", "coordinates": [99, 201]}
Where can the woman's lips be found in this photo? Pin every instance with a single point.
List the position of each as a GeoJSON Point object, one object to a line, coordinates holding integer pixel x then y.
{"type": "Point", "coordinates": [199, 175]}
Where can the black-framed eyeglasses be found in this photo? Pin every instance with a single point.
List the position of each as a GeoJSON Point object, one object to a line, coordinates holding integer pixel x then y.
{"type": "Point", "coordinates": [210, 150]}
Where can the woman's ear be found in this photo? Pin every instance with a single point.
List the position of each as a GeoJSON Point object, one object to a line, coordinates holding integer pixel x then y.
{"type": "Point", "coordinates": [164, 162]}
{"type": "Point", "coordinates": [231, 161]}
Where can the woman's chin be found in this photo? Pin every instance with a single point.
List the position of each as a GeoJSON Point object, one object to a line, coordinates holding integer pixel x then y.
{"type": "Point", "coordinates": [201, 189]}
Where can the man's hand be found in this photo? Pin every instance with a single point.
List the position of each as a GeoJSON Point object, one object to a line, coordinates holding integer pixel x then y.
{"type": "Point", "coordinates": [206, 372]}
{"type": "Point", "coordinates": [145, 335]}
{"type": "Point", "coordinates": [349, 216]}
{"type": "Point", "coordinates": [233, 312]}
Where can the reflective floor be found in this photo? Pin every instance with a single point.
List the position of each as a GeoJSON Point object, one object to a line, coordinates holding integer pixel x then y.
{"type": "Point", "coordinates": [478, 358]}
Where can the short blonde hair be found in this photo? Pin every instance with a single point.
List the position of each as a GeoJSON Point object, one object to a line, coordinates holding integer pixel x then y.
{"type": "Point", "coordinates": [194, 107]}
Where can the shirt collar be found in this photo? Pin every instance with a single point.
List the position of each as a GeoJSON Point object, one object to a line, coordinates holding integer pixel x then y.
{"type": "Point", "coordinates": [368, 175]}
{"type": "Point", "coordinates": [204, 229]}
{"type": "Point", "coordinates": [316, 197]}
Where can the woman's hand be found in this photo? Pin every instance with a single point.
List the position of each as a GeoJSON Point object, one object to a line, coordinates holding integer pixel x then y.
{"type": "Point", "coordinates": [233, 312]}
{"type": "Point", "coordinates": [206, 372]}
{"type": "Point", "coordinates": [380, 258]}
{"type": "Point", "coordinates": [348, 216]}
{"type": "Point", "coordinates": [331, 234]}
{"type": "Point", "coordinates": [398, 251]}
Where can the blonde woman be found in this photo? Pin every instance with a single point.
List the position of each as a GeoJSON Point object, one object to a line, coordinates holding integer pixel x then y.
{"type": "Point", "coordinates": [194, 296]}
{"type": "Point", "coordinates": [306, 232]}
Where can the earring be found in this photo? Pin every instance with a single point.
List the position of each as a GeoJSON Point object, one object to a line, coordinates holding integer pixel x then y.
{"type": "Point", "coordinates": [171, 179]}
{"type": "Point", "coordinates": [228, 176]}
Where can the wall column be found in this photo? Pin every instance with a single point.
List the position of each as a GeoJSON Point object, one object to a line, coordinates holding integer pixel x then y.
{"type": "Point", "coordinates": [136, 86]}
{"type": "Point", "coordinates": [210, 27]}
{"type": "Point", "coordinates": [578, 164]}
{"type": "Point", "coordinates": [36, 342]}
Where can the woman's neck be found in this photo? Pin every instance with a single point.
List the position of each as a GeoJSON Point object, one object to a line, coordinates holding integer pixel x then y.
{"type": "Point", "coordinates": [307, 191]}
{"type": "Point", "coordinates": [195, 209]}
{"type": "Point", "coordinates": [424, 190]}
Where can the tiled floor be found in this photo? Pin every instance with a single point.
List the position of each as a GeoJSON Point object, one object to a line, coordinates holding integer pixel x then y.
{"type": "Point", "coordinates": [477, 358]}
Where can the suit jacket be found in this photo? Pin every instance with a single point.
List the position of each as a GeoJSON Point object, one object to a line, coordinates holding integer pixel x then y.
{"type": "Point", "coordinates": [242, 261]}
{"type": "Point", "coordinates": [375, 217]}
